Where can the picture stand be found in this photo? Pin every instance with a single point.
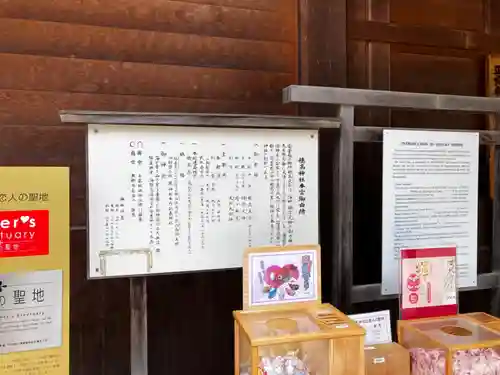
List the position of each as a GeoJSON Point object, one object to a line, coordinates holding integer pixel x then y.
{"type": "Point", "coordinates": [280, 276]}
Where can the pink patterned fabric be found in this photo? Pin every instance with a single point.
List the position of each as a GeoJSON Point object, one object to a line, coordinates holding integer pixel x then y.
{"type": "Point", "coordinates": [287, 365]}
{"type": "Point", "coordinates": [465, 362]}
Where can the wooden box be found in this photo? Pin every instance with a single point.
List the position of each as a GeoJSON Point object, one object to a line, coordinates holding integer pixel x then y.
{"type": "Point", "coordinates": [322, 337]}
{"type": "Point", "coordinates": [387, 359]}
{"type": "Point", "coordinates": [488, 320]}
{"type": "Point", "coordinates": [452, 345]}
{"type": "Point", "coordinates": [482, 317]}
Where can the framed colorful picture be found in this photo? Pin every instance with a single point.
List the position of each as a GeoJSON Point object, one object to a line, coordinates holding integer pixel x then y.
{"type": "Point", "coordinates": [280, 276]}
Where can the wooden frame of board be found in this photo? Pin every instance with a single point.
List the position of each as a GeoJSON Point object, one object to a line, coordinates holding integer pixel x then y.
{"type": "Point", "coordinates": [138, 285]}
{"type": "Point", "coordinates": [492, 87]}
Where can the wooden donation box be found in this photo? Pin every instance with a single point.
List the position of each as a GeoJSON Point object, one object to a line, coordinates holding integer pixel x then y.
{"type": "Point", "coordinates": [387, 359]}
{"type": "Point", "coordinates": [284, 329]}
{"type": "Point", "coordinates": [452, 345]}
{"type": "Point", "coordinates": [324, 339]}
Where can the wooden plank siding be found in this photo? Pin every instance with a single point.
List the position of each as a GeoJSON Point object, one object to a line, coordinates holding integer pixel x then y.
{"type": "Point", "coordinates": [227, 56]}
{"type": "Point", "coordinates": [230, 56]}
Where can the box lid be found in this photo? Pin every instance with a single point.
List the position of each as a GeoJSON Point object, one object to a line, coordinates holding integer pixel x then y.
{"type": "Point", "coordinates": [280, 326]}
{"type": "Point", "coordinates": [482, 317]}
{"type": "Point", "coordinates": [455, 331]}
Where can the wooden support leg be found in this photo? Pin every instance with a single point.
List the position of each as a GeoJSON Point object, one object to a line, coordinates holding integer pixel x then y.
{"type": "Point", "coordinates": [138, 326]}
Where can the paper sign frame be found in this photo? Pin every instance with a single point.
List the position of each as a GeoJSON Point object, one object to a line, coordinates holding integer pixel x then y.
{"type": "Point", "coordinates": [282, 250]}
{"type": "Point", "coordinates": [428, 311]}
{"type": "Point", "coordinates": [492, 90]}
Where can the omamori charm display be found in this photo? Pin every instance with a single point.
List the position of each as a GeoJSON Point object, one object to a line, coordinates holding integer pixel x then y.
{"type": "Point", "coordinates": [452, 345]}
{"type": "Point", "coordinates": [464, 362]}
{"type": "Point", "coordinates": [290, 364]}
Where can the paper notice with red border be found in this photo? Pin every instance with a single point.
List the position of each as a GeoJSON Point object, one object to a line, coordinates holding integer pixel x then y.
{"type": "Point", "coordinates": [428, 282]}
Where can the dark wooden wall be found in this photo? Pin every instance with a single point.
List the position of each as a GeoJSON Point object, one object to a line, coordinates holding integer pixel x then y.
{"type": "Point", "coordinates": [439, 46]}
{"type": "Point", "coordinates": [435, 46]}
{"type": "Point", "coordinates": [432, 46]}
{"type": "Point", "coordinates": [229, 56]}
{"type": "Point", "coordinates": [222, 56]}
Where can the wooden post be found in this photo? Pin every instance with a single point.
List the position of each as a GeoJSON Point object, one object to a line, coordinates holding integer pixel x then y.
{"type": "Point", "coordinates": [495, 248]}
{"type": "Point", "coordinates": [342, 267]}
{"type": "Point", "coordinates": [138, 326]}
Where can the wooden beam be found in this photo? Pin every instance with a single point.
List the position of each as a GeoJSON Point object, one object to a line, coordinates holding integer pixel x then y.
{"type": "Point", "coordinates": [369, 134]}
{"type": "Point", "coordinates": [423, 36]}
{"type": "Point", "coordinates": [394, 33]}
{"type": "Point", "coordinates": [56, 74]}
{"type": "Point", "coordinates": [44, 105]}
{"type": "Point", "coordinates": [495, 248]}
{"type": "Point", "coordinates": [200, 119]}
{"type": "Point", "coordinates": [389, 99]}
{"type": "Point", "coordinates": [323, 48]}
{"type": "Point", "coordinates": [42, 38]}
{"type": "Point", "coordinates": [323, 62]}
{"type": "Point", "coordinates": [169, 16]}
{"type": "Point", "coordinates": [343, 201]}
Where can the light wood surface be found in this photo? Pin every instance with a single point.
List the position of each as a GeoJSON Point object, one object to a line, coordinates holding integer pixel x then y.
{"type": "Point", "coordinates": [387, 359]}
{"type": "Point", "coordinates": [331, 342]}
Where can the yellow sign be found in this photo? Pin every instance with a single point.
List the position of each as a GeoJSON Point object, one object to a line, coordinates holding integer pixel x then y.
{"type": "Point", "coordinates": [493, 90]}
{"type": "Point", "coordinates": [494, 75]}
{"type": "Point", "coordinates": [34, 271]}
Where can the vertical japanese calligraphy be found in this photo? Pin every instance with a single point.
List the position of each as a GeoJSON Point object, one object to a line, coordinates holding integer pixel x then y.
{"type": "Point", "coordinates": [302, 186]}
{"type": "Point", "coordinates": [34, 269]}
{"type": "Point", "coordinates": [207, 194]}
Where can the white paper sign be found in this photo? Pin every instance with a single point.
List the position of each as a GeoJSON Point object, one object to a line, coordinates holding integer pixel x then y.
{"type": "Point", "coordinates": [377, 326]}
{"type": "Point", "coordinates": [175, 199]}
{"type": "Point", "coordinates": [430, 192]}
{"type": "Point", "coordinates": [30, 311]}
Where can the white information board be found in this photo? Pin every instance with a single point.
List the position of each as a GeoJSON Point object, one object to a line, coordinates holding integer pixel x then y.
{"type": "Point", "coordinates": [430, 199]}
{"type": "Point", "coordinates": [175, 199]}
